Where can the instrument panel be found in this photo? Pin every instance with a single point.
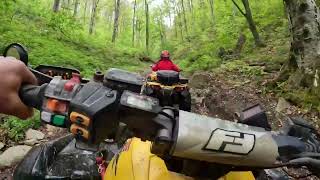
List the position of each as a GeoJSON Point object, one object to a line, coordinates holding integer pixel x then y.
{"type": "Point", "coordinates": [65, 73]}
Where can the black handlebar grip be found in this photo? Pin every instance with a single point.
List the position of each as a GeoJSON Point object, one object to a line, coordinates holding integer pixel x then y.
{"type": "Point", "coordinates": [32, 95]}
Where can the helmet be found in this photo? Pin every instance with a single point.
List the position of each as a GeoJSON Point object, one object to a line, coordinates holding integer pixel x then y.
{"type": "Point", "coordinates": [165, 54]}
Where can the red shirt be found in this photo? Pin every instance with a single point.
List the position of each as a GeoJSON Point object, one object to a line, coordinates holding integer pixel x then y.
{"type": "Point", "coordinates": [165, 64]}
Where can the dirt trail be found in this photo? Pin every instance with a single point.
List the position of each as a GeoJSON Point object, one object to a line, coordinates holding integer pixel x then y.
{"type": "Point", "coordinates": [225, 95]}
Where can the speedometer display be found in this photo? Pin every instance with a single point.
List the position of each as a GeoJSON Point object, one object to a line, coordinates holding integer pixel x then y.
{"type": "Point", "coordinates": [139, 101]}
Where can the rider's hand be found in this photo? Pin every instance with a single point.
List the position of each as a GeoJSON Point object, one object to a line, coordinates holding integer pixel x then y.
{"type": "Point", "coordinates": [13, 74]}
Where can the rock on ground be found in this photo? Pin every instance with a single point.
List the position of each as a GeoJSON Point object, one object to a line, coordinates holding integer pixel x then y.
{"type": "Point", "coordinates": [54, 131]}
{"type": "Point", "coordinates": [1, 145]}
{"type": "Point", "coordinates": [282, 105]}
{"type": "Point", "coordinates": [200, 80]}
{"type": "Point", "coordinates": [13, 155]}
{"type": "Point", "coordinates": [34, 134]}
{"type": "Point", "coordinates": [31, 142]}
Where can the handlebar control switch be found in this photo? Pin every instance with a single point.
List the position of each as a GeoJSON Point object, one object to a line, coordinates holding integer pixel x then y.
{"type": "Point", "coordinates": [55, 105]}
{"type": "Point", "coordinates": [56, 100]}
{"type": "Point", "coordinates": [76, 79]}
{"type": "Point", "coordinates": [92, 113]}
{"type": "Point", "coordinates": [79, 132]}
{"type": "Point", "coordinates": [80, 119]}
{"type": "Point", "coordinates": [59, 120]}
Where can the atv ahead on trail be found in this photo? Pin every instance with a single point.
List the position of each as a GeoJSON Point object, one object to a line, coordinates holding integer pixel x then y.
{"type": "Point", "coordinates": [188, 143]}
{"type": "Point", "coordinates": [170, 88]}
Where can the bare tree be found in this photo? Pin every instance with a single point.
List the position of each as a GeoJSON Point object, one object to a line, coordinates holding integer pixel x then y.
{"type": "Point", "coordinates": [184, 17]}
{"type": "Point", "coordinates": [147, 25]}
{"type": "Point", "coordinates": [134, 22]}
{"type": "Point", "coordinates": [93, 16]}
{"type": "Point", "coordinates": [171, 4]}
{"type": "Point", "coordinates": [85, 10]}
{"type": "Point", "coordinates": [252, 26]}
{"type": "Point", "coordinates": [162, 32]}
{"type": "Point", "coordinates": [56, 6]}
{"type": "Point", "coordinates": [178, 20]}
{"type": "Point", "coordinates": [211, 2]}
{"type": "Point", "coordinates": [116, 20]}
{"type": "Point", "coordinates": [76, 8]}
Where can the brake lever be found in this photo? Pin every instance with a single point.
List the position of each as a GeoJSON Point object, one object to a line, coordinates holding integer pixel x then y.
{"type": "Point", "coordinates": [312, 164]}
{"type": "Point", "coordinates": [41, 77]}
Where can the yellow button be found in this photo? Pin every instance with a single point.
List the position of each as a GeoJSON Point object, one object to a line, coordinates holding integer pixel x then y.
{"type": "Point", "coordinates": [79, 119]}
{"type": "Point", "coordinates": [79, 131]}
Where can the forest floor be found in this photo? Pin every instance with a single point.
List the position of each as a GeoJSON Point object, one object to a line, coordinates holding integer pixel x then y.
{"type": "Point", "coordinates": [225, 93]}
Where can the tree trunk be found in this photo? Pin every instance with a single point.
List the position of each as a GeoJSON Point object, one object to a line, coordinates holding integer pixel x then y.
{"type": "Point", "coordinates": [184, 17]}
{"type": "Point", "coordinates": [134, 22]}
{"type": "Point", "coordinates": [116, 20]}
{"type": "Point", "coordinates": [212, 10]}
{"type": "Point", "coordinates": [85, 10]}
{"type": "Point", "coordinates": [161, 34]}
{"type": "Point", "coordinates": [178, 20]}
{"type": "Point", "coordinates": [76, 8]}
{"type": "Point", "coordinates": [169, 13]}
{"type": "Point", "coordinates": [202, 14]}
{"type": "Point", "coordinates": [147, 25]}
{"type": "Point", "coordinates": [56, 6]}
{"type": "Point", "coordinates": [252, 26]}
{"type": "Point", "coordinates": [138, 29]}
{"type": "Point", "coordinates": [66, 4]}
{"type": "Point", "coordinates": [239, 46]}
{"type": "Point", "coordinates": [163, 29]}
{"type": "Point", "coordinates": [93, 16]}
{"type": "Point", "coordinates": [304, 58]}
{"type": "Point", "coordinates": [175, 18]}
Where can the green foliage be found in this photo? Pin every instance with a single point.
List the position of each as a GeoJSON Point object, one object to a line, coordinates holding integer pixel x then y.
{"type": "Point", "coordinates": [60, 39]}
{"type": "Point", "coordinates": [242, 68]}
{"type": "Point", "coordinates": [205, 38]}
{"type": "Point", "coordinates": [16, 127]}
{"type": "Point", "coordinates": [303, 98]}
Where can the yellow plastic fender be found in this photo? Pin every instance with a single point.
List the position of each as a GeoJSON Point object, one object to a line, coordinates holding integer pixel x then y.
{"type": "Point", "coordinates": [136, 162]}
{"type": "Point", "coordinates": [238, 175]}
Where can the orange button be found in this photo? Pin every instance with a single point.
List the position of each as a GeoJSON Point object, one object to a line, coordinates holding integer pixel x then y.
{"type": "Point", "coordinates": [79, 131]}
{"type": "Point", "coordinates": [55, 105]}
{"type": "Point", "coordinates": [80, 119]}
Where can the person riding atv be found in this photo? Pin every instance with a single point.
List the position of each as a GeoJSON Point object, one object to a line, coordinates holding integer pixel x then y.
{"type": "Point", "coordinates": [165, 63]}
{"type": "Point", "coordinates": [166, 84]}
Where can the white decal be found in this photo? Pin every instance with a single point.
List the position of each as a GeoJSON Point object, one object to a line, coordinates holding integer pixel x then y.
{"type": "Point", "coordinates": [230, 142]}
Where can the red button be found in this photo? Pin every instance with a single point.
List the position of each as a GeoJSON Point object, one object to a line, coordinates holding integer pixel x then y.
{"type": "Point", "coordinates": [68, 86]}
{"type": "Point", "coordinates": [76, 79]}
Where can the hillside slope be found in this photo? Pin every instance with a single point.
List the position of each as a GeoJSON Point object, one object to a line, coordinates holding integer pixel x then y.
{"type": "Point", "coordinates": [58, 39]}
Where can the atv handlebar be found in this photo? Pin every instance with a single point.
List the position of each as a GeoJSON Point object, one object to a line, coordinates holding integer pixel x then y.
{"type": "Point", "coordinates": [92, 112]}
{"type": "Point", "coordinates": [31, 95]}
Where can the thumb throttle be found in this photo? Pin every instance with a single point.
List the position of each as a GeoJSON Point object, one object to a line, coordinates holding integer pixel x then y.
{"type": "Point", "coordinates": [32, 95]}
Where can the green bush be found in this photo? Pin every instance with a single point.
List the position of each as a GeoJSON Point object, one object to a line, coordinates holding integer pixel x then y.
{"type": "Point", "coordinates": [16, 127]}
